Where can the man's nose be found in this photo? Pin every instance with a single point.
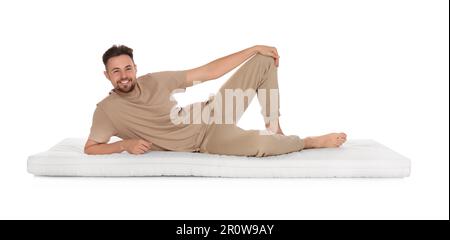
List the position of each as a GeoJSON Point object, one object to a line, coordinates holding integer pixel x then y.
{"type": "Point", "coordinates": [123, 75]}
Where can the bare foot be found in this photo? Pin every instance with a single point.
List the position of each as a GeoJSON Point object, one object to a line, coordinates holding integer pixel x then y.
{"type": "Point", "coordinates": [326, 141]}
{"type": "Point", "coordinates": [274, 128]}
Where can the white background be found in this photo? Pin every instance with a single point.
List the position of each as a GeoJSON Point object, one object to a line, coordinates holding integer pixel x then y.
{"type": "Point", "coordinates": [373, 69]}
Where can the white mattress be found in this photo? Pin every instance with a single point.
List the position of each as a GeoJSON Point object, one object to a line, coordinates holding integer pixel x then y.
{"type": "Point", "coordinates": [356, 158]}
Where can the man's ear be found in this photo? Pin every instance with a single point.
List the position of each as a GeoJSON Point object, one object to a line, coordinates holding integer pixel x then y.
{"type": "Point", "coordinates": [135, 67]}
{"type": "Point", "coordinates": [106, 74]}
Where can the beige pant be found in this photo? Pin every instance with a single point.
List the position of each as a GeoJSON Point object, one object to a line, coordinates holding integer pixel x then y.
{"type": "Point", "coordinates": [226, 138]}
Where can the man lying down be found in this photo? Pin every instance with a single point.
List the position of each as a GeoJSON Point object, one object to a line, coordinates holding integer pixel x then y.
{"type": "Point", "coordinates": [142, 112]}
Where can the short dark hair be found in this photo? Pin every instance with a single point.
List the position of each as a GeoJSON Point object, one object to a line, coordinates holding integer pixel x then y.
{"type": "Point", "coordinates": [117, 50]}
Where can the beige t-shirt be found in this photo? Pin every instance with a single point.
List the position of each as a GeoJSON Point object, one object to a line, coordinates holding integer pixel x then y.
{"type": "Point", "coordinates": [144, 113]}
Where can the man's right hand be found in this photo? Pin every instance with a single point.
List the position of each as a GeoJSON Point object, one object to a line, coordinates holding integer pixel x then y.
{"type": "Point", "coordinates": [136, 146]}
{"type": "Point", "coordinates": [269, 51]}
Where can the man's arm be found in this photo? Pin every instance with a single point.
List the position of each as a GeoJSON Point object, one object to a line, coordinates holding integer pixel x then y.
{"type": "Point", "coordinates": [223, 65]}
{"type": "Point", "coordinates": [93, 148]}
{"type": "Point", "coordinates": [133, 146]}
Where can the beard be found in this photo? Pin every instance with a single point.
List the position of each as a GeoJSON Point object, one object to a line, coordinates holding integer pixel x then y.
{"type": "Point", "coordinates": [127, 87]}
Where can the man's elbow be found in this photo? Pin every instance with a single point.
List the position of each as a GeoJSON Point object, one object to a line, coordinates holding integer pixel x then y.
{"type": "Point", "coordinates": [201, 74]}
{"type": "Point", "coordinates": [88, 152]}
{"type": "Point", "coordinates": [91, 147]}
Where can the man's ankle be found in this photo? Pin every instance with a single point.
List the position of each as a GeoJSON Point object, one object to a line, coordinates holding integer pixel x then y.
{"type": "Point", "coordinates": [274, 126]}
{"type": "Point", "coordinates": [309, 142]}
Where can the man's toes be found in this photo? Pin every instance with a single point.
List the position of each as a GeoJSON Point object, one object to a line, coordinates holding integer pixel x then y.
{"type": "Point", "coordinates": [340, 141]}
{"type": "Point", "coordinates": [343, 135]}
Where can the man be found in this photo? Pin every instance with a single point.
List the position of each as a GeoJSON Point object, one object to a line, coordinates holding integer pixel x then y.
{"type": "Point", "coordinates": [143, 113]}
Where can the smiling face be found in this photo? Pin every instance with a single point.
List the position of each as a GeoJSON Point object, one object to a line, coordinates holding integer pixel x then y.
{"type": "Point", "coordinates": [121, 71]}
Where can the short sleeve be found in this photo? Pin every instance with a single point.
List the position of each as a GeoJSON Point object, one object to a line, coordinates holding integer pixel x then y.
{"type": "Point", "coordinates": [102, 128]}
{"type": "Point", "coordinates": [172, 80]}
